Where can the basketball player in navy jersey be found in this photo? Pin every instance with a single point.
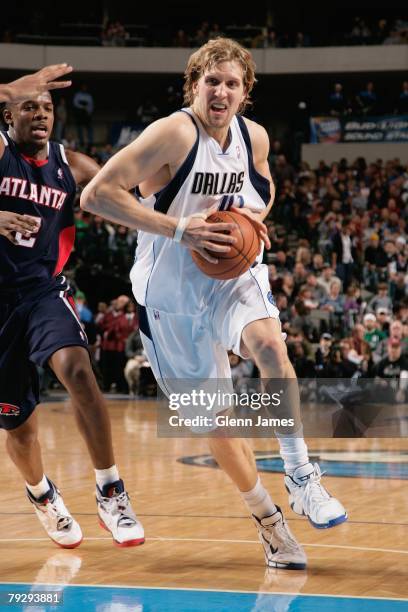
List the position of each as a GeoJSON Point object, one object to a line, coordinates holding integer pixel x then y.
{"type": "Point", "coordinates": [182, 164]}
{"type": "Point", "coordinates": [38, 322]}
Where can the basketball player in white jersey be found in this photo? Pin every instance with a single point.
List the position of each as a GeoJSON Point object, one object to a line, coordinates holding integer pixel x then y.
{"type": "Point", "coordinates": [181, 165]}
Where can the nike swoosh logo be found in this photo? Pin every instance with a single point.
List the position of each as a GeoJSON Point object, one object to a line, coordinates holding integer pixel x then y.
{"type": "Point", "coordinates": [274, 550]}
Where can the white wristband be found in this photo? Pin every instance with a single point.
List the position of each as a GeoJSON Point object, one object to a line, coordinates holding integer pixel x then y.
{"type": "Point", "coordinates": [182, 224]}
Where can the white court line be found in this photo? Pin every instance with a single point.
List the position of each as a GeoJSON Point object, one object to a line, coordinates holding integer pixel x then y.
{"type": "Point", "coordinates": [160, 539]}
{"type": "Point", "coordinates": [390, 550]}
{"type": "Point", "coordinates": [165, 588]}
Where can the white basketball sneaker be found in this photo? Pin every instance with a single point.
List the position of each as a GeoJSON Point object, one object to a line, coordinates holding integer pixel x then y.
{"type": "Point", "coordinates": [56, 519]}
{"type": "Point", "coordinates": [117, 516]}
{"type": "Point", "coordinates": [280, 547]}
{"type": "Point", "coordinates": [307, 496]}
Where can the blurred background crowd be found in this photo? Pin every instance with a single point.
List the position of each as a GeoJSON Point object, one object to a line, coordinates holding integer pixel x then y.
{"type": "Point", "coordinates": [264, 26]}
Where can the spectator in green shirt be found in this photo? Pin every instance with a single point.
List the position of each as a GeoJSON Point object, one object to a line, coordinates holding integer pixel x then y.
{"type": "Point", "coordinates": [372, 334]}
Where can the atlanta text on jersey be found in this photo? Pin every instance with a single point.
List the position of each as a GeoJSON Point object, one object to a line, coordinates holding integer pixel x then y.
{"type": "Point", "coordinates": [40, 194]}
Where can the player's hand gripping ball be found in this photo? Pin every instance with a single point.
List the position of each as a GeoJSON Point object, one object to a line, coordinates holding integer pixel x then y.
{"type": "Point", "coordinates": [241, 255]}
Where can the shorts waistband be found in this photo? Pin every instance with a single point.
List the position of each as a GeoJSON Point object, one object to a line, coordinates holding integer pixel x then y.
{"type": "Point", "coordinates": [16, 295]}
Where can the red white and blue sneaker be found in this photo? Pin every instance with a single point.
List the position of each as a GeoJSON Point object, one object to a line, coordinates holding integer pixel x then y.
{"type": "Point", "coordinates": [56, 519]}
{"type": "Point", "coordinates": [281, 549]}
{"type": "Point", "coordinates": [117, 515]}
{"type": "Point", "coordinates": [308, 497]}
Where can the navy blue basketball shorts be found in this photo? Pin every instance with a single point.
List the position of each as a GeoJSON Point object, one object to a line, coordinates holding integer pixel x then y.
{"type": "Point", "coordinates": [32, 328]}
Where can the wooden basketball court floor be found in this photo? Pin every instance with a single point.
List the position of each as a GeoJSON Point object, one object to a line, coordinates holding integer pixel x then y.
{"type": "Point", "coordinates": [201, 550]}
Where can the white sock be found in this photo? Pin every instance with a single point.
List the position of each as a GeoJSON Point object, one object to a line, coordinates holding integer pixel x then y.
{"type": "Point", "coordinates": [107, 476]}
{"type": "Point", "coordinates": [40, 488]}
{"type": "Point", "coordinates": [293, 451]}
{"type": "Point", "coordinates": [259, 501]}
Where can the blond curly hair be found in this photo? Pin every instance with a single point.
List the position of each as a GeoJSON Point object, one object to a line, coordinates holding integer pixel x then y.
{"type": "Point", "coordinates": [215, 52]}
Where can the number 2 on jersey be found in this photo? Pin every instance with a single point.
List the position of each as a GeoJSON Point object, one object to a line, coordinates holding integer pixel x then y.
{"type": "Point", "coordinates": [30, 240]}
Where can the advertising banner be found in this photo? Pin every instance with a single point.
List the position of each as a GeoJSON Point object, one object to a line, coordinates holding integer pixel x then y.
{"type": "Point", "coordinates": [390, 128]}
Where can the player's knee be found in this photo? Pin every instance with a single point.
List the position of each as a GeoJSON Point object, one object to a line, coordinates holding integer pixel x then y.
{"type": "Point", "coordinates": [74, 373]}
{"type": "Point", "coordinates": [225, 445]}
{"type": "Point", "coordinates": [271, 352]}
{"type": "Point", "coordinates": [23, 437]}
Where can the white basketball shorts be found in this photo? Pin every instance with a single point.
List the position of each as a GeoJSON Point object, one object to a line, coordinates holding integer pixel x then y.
{"type": "Point", "coordinates": [180, 346]}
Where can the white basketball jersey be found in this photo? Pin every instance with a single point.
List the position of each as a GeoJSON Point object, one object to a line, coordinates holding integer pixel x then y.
{"type": "Point", "coordinates": [164, 275]}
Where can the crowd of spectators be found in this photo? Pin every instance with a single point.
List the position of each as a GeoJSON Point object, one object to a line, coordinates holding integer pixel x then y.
{"type": "Point", "coordinates": [339, 266]}
{"type": "Point", "coordinates": [381, 32]}
{"type": "Point", "coordinates": [114, 34]}
{"type": "Point", "coordinates": [103, 245]}
{"type": "Point", "coordinates": [263, 32]}
{"type": "Point", "coordinates": [115, 347]}
{"type": "Point", "coordinates": [252, 36]}
{"type": "Point", "coordinates": [366, 101]}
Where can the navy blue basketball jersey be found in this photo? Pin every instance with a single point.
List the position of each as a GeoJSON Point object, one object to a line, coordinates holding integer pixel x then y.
{"type": "Point", "coordinates": [43, 189]}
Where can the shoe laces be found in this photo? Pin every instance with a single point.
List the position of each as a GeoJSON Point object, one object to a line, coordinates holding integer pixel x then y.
{"type": "Point", "coordinates": [56, 510]}
{"type": "Point", "coordinates": [313, 489]}
{"type": "Point", "coordinates": [119, 504]}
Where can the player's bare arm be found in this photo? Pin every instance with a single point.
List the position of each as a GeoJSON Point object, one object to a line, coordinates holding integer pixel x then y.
{"type": "Point", "coordinates": [260, 151]}
{"type": "Point", "coordinates": [83, 168]}
{"type": "Point", "coordinates": [162, 146]}
{"type": "Point", "coordinates": [32, 85]}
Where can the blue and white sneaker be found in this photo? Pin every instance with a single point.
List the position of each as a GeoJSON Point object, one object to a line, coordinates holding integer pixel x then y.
{"type": "Point", "coordinates": [308, 497]}
{"type": "Point", "coordinates": [117, 515]}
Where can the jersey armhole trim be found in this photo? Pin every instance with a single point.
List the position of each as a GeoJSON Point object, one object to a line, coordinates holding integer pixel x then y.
{"type": "Point", "coordinates": [63, 154]}
{"type": "Point", "coordinates": [4, 139]}
{"type": "Point", "coordinates": [144, 321]}
{"type": "Point", "coordinates": [165, 196]}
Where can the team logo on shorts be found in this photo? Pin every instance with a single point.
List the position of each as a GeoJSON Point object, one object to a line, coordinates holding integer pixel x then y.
{"type": "Point", "coordinates": [271, 298]}
{"type": "Point", "coordinates": [9, 410]}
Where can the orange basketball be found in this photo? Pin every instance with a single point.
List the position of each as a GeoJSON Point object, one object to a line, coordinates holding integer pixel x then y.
{"type": "Point", "coordinates": [241, 255]}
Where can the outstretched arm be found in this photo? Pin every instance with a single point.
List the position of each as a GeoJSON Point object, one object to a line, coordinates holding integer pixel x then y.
{"type": "Point", "coordinates": [32, 85]}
